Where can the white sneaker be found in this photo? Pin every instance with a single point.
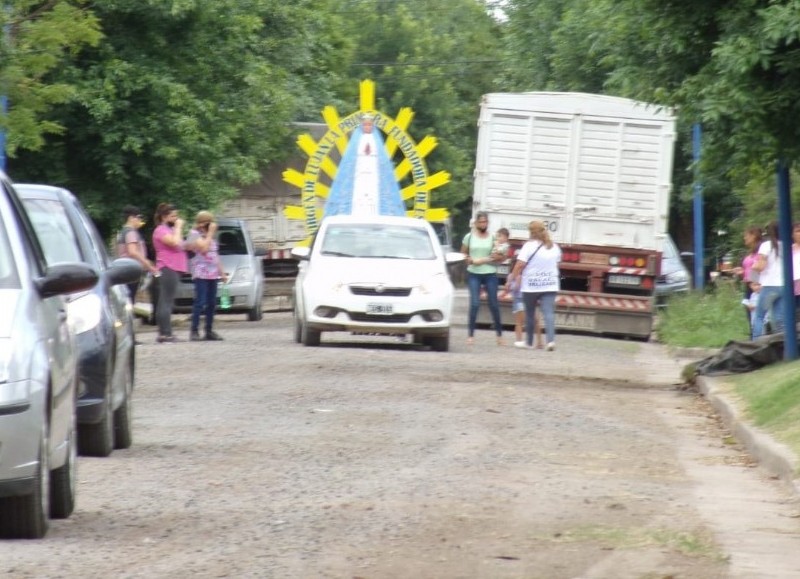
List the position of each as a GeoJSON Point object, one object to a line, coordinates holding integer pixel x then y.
{"type": "Point", "coordinates": [551, 346]}
{"type": "Point", "coordinates": [520, 345]}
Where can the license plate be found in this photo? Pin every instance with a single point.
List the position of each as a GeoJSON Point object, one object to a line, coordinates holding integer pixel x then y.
{"type": "Point", "coordinates": [502, 269]}
{"type": "Point", "coordinates": [380, 309]}
{"type": "Point", "coordinates": [625, 279]}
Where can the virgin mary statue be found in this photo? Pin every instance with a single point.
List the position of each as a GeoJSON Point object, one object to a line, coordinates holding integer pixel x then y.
{"type": "Point", "coordinates": [365, 182]}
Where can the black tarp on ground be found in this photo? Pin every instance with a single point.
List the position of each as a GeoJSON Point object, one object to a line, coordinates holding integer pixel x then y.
{"type": "Point", "coordinates": [739, 357]}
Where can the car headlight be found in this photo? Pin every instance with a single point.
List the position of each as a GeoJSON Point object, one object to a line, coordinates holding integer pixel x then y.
{"type": "Point", "coordinates": [84, 313]}
{"type": "Point", "coordinates": [242, 275]}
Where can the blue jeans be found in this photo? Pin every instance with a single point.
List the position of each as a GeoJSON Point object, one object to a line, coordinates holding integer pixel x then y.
{"type": "Point", "coordinates": [205, 301]}
{"type": "Point", "coordinates": [548, 302]}
{"type": "Point", "coordinates": [490, 282]}
{"type": "Point", "coordinates": [769, 300]}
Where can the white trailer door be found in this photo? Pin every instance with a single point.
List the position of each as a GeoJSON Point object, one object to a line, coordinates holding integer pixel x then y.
{"type": "Point", "coordinates": [621, 190]}
{"type": "Point", "coordinates": [525, 169]}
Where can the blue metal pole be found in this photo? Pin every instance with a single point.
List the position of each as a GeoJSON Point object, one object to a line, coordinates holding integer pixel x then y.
{"type": "Point", "coordinates": [699, 229]}
{"type": "Point", "coordinates": [785, 234]}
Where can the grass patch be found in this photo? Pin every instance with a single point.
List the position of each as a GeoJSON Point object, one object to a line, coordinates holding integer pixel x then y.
{"type": "Point", "coordinates": [771, 398]}
{"type": "Point", "coordinates": [704, 319]}
{"type": "Point", "coordinates": [689, 543]}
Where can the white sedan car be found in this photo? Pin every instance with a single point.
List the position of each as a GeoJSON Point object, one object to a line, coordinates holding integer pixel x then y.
{"type": "Point", "coordinates": [374, 275]}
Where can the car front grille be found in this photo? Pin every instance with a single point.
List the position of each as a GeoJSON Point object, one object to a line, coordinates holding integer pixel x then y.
{"type": "Point", "coordinates": [385, 291]}
{"type": "Point", "coordinates": [393, 319]}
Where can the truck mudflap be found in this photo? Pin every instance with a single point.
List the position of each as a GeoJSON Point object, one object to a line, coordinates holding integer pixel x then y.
{"type": "Point", "coordinates": [596, 313]}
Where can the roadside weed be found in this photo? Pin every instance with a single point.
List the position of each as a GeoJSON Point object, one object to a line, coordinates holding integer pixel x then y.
{"type": "Point", "coordinates": [704, 319]}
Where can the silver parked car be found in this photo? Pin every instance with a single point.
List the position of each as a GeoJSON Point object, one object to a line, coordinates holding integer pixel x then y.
{"type": "Point", "coordinates": [102, 317]}
{"type": "Point", "coordinates": [244, 266]}
{"type": "Point", "coordinates": [675, 277]}
{"type": "Point", "coordinates": [38, 377]}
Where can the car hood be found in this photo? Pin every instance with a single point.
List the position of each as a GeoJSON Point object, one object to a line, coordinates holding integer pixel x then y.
{"type": "Point", "coordinates": [9, 299]}
{"type": "Point", "coordinates": [394, 272]}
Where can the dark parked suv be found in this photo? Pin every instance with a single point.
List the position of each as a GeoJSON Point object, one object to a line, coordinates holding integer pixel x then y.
{"type": "Point", "coordinates": [102, 317]}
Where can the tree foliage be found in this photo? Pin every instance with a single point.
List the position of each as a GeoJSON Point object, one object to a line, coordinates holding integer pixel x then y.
{"type": "Point", "coordinates": [437, 59]}
{"type": "Point", "coordinates": [733, 67]}
{"type": "Point", "coordinates": [182, 101]}
{"type": "Point", "coordinates": [35, 38]}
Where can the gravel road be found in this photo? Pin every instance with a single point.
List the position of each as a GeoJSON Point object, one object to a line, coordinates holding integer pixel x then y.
{"type": "Point", "coordinates": [372, 458]}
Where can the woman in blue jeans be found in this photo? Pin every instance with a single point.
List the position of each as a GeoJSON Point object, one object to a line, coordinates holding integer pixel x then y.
{"type": "Point", "coordinates": [478, 246]}
{"type": "Point", "coordinates": [769, 265]}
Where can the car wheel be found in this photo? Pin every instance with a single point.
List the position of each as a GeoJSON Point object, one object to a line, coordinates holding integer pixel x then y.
{"type": "Point", "coordinates": [310, 337]}
{"type": "Point", "coordinates": [25, 517]}
{"type": "Point", "coordinates": [62, 479]}
{"type": "Point", "coordinates": [123, 417]}
{"type": "Point", "coordinates": [298, 327]}
{"type": "Point", "coordinates": [255, 314]}
{"type": "Point", "coordinates": [98, 439]}
{"type": "Point", "coordinates": [439, 343]}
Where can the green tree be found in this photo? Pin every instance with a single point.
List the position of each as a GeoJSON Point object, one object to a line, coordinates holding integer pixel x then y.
{"type": "Point", "coordinates": [35, 39]}
{"type": "Point", "coordinates": [438, 59]}
{"type": "Point", "coordinates": [182, 101]}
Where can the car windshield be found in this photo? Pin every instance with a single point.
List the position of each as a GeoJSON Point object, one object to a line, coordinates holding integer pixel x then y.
{"type": "Point", "coordinates": [54, 230]}
{"type": "Point", "coordinates": [231, 241]}
{"type": "Point", "coordinates": [378, 241]}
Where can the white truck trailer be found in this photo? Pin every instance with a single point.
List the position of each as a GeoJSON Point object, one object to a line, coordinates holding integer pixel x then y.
{"type": "Point", "coordinates": [597, 171]}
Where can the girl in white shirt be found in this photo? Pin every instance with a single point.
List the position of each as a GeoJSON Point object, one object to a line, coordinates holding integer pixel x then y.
{"type": "Point", "coordinates": [769, 265]}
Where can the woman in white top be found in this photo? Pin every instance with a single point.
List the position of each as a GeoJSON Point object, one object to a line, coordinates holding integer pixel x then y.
{"type": "Point", "coordinates": [537, 269]}
{"type": "Point", "coordinates": [769, 265]}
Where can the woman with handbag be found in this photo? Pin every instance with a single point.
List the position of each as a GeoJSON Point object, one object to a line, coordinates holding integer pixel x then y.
{"type": "Point", "coordinates": [537, 270]}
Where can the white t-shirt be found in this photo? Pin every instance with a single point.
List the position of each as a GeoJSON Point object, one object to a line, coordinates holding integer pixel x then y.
{"type": "Point", "coordinates": [772, 275]}
{"type": "Point", "coordinates": [541, 272]}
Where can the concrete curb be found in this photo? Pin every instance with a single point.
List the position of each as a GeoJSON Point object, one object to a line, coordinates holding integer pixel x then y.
{"type": "Point", "coordinates": [776, 458]}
